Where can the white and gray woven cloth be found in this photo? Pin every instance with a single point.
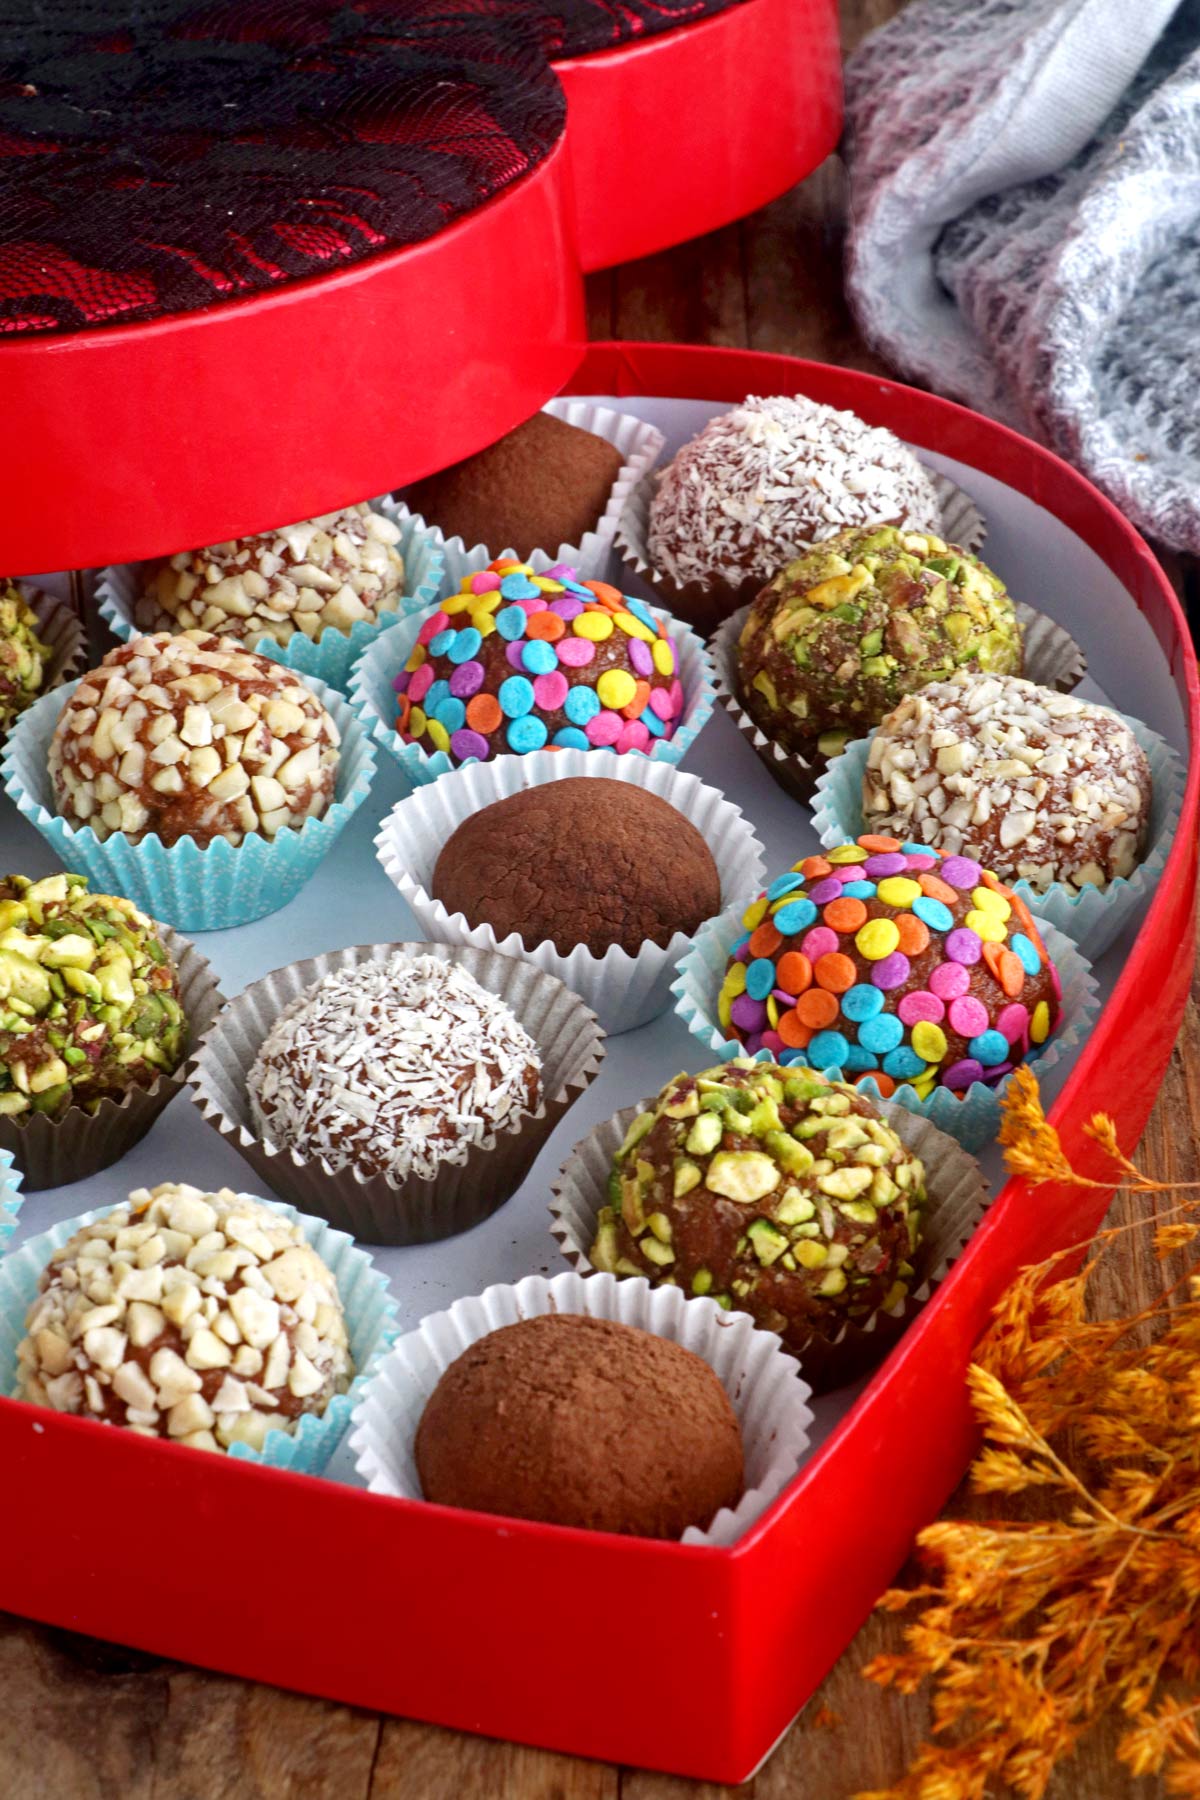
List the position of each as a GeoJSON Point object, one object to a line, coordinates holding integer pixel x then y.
{"type": "Point", "coordinates": [1025, 228]}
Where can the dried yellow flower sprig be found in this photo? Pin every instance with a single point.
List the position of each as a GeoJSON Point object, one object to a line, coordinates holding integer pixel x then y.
{"type": "Point", "coordinates": [1032, 1627]}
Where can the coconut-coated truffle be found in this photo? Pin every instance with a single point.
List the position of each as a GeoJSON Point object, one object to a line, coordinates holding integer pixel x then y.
{"type": "Point", "coordinates": [584, 861]}
{"type": "Point", "coordinates": [772, 1189]}
{"type": "Point", "coordinates": [571, 1420]}
{"type": "Point", "coordinates": [516, 661]}
{"type": "Point", "coordinates": [1040, 786]}
{"type": "Point", "coordinates": [886, 959]}
{"type": "Point", "coordinates": [392, 1068]}
{"type": "Point", "coordinates": [24, 658]}
{"type": "Point", "coordinates": [324, 574]}
{"type": "Point", "coordinates": [89, 997]}
{"type": "Point", "coordinates": [206, 1318]}
{"type": "Point", "coordinates": [762, 482]}
{"type": "Point", "coordinates": [192, 736]}
{"type": "Point", "coordinates": [844, 632]}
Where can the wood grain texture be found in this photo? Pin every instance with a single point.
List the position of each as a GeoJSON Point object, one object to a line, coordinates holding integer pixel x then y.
{"type": "Point", "coordinates": [83, 1721]}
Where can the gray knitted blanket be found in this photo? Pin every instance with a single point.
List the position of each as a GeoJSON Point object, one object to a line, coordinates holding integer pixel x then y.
{"type": "Point", "coordinates": [1025, 228]}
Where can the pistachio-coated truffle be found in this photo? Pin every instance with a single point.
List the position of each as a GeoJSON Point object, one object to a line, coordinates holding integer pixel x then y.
{"type": "Point", "coordinates": [773, 1190]}
{"type": "Point", "coordinates": [89, 997]}
{"type": "Point", "coordinates": [23, 656]}
{"type": "Point", "coordinates": [857, 622]}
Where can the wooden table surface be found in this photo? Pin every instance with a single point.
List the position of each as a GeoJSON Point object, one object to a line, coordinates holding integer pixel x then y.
{"type": "Point", "coordinates": [82, 1720]}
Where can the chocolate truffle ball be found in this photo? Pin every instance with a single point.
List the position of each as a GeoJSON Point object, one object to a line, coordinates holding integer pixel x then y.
{"type": "Point", "coordinates": [585, 861]}
{"type": "Point", "coordinates": [1041, 786]}
{"type": "Point", "coordinates": [324, 574]}
{"type": "Point", "coordinates": [24, 659]}
{"type": "Point", "coordinates": [89, 998]}
{"type": "Point", "coordinates": [887, 959]}
{"type": "Point", "coordinates": [852, 626]}
{"type": "Point", "coordinates": [761, 483]}
{"type": "Point", "coordinates": [206, 1318]}
{"type": "Point", "coordinates": [192, 736]}
{"type": "Point", "coordinates": [392, 1068]}
{"type": "Point", "coordinates": [517, 660]}
{"type": "Point", "coordinates": [777, 1192]}
{"type": "Point", "coordinates": [543, 485]}
{"type": "Point", "coordinates": [571, 1420]}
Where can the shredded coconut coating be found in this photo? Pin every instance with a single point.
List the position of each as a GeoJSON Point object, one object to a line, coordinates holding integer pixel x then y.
{"type": "Point", "coordinates": [761, 483]}
{"type": "Point", "coordinates": [1041, 786]}
{"type": "Point", "coordinates": [393, 1068]}
{"type": "Point", "coordinates": [321, 575]}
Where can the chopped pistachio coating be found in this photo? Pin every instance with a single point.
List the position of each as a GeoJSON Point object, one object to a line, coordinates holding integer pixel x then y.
{"type": "Point", "coordinates": [23, 656]}
{"type": "Point", "coordinates": [89, 997]}
{"type": "Point", "coordinates": [773, 1191]}
{"type": "Point", "coordinates": [844, 632]}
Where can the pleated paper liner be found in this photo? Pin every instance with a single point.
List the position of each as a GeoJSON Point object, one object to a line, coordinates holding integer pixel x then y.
{"type": "Point", "coordinates": [378, 1209]}
{"type": "Point", "coordinates": [62, 633]}
{"type": "Point", "coordinates": [1091, 917]}
{"type": "Point", "coordinates": [623, 991]}
{"type": "Point", "coordinates": [374, 698]}
{"type": "Point", "coordinates": [54, 1152]}
{"type": "Point", "coordinates": [764, 1384]}
{"type": "Point", "coordinates": [370, 1322]}
{"type": "Point", "coordinates": [207, 889]}
{"type": "Point", "coordinates": [958, 1196]}
{"type": "Point", "coordinates": [10, 1196]}
{"type": "Point", "coordinates": [705, 604]}
{"type": "Point", "coordinates": [124, 605]}
{"type": "Point", "coordinates": [1052, 658]}
{"type": "Point", "coordinates": [974, 1118]}
{"type": "Point", "coordinates": [638, 444]}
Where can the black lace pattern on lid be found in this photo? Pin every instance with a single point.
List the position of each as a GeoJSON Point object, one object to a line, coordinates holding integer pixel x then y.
{"type": "Point", "coordinates": [162, 155]}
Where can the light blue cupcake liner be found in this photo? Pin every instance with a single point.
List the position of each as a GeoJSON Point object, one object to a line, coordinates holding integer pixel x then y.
{"type": "Point", "coordinates": [332, 656]}
{"type": "Point", "coordinates": [10, 1196]}
{"type": "Point", "coordinates": [1091, 918]}
{"type": "Point", "coordinates": [374, 698]}
{"type": "Point", "coordinates": [975, 1119]}
{"type": "Point", "coordinates": [370, 1321]}
{"type": "Point", "coordinates": [194, 889]}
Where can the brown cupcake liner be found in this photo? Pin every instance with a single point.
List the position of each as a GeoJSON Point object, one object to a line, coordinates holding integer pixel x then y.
{"type": "Point", "coordinates": [958, 1196]}
{"type": "Point", "coordinates": [1052, 658]}
{"type": "Point", "coordinates": [707, 604]}
{"type": "Point", "coordinates": [54, 1152]}
{"type": "Point", "coordinates": [378, 1209]}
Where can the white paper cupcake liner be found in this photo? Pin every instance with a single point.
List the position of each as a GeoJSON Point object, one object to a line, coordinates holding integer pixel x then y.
{"type": "Point", "coordinates": [623, 991]}
{"type": "Point", "coordinates": [639, 445]}
{"type": "Point", "coordinates": [55, 1152]}
{"type": "Point", "coordinates": [958, 1196]}
{"type": "Point", "coordinates": [975, 1118]}
{"type": "Point", "coordinates": [206, 889]}
{"type": "Point", "coordinates": [374, 699]}
{"type": "Point", "coordinates": [120, 588]}
{"type": "Point", "coordinates": [370, 1322]}
{"type": "Point", "coordinates": [762, 1381]}
{"type": "Point", "coordinates": [706, 603]}
{"type": "Point", "coordinates": [1052, 658]}
{"type": "Point", "coordinates": [62, 632]}
{"type": "Point", "coordinates": [1091, 917]}
{"type": "Point", "coordinates": [379, 1209]}
{"type": "Point", "coordinates": [10, 1196]}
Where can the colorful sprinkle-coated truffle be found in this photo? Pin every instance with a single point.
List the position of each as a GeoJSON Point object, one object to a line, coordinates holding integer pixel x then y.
{"type": "Point", "coordinates": [932, 972]}
{"type": "Point", "coordinates": [517, 661]}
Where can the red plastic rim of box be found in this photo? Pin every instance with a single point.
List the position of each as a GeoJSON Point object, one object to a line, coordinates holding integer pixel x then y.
{"type": "Point", "coordinates": [135, 441]}
{"type": "Point", "coordinates": [691, 1660]}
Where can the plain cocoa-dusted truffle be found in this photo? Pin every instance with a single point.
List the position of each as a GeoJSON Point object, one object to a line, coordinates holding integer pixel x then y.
{"type": "Point", "coordinates": [206, 1318]}
{"type": "Point", "coordinates": [583, 861]}
{"type": "Point", "coordinates": [850, 627]}
{"type": "Point", "coordinates": [393, 1068]}
{"type": "Point", "coordinates": [762, 482]}
{"type": "Point", "coordinates": [1040, 786]}
{"type": "Point", "coordinates": [192, 736]}
{"type": "Point", "coordinates": [541, 486]}
{"type": "Point", "coordinates": [573, 1420]}
{"type": "Point", "coordinates": [323, 574]}
{"type": "Point", "coordinates": [774, 1191]}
